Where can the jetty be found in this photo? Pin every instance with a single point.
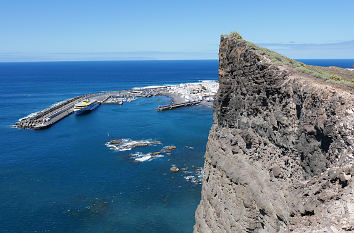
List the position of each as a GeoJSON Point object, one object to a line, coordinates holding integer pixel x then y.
{"type": "Point", "coordinates": [191, 94]}
{"type": "Point", "coordinates": [49, 116]}
{"type": "Point", "coordinates": [173, 106]}
{"type": "Point", "coordinates": [113, 100]}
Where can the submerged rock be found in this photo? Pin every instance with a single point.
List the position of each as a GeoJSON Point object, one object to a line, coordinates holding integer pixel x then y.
{"type": "Point", "coordinates": [94, 208]}
{"type": "Point", "coordinates": [80, 197]}
{"type": "Point", "coordinates": [167, 149]}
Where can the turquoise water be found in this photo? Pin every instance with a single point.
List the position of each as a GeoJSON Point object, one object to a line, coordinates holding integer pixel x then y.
{"type": "Point", "coordinates": [64, 179]}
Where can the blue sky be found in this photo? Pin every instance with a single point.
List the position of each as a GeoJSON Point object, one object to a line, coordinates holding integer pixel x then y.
{"type": "Point", "coordinates": [47, 30]}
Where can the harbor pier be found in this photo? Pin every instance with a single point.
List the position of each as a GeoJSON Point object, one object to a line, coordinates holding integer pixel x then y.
{"type": "Point", "coordinates": [53, 114]}
{"type": "Point", "coordinates": [179, 105]}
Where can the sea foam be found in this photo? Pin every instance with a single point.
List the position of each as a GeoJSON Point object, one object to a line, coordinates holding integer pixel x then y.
{"type": "Point", "coordinates": [197, 177]}
{"type": "Point", "coordinates": [128, 144]}
{"type": "Point", "coordinates": [140, 157]}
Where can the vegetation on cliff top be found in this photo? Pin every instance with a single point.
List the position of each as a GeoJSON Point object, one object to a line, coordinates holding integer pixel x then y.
{"type": "Point", "coordinates": [330, 74]}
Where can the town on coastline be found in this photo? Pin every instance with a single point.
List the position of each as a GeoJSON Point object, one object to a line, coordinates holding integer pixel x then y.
{"type": "Point", "coordinates": [185, 94]}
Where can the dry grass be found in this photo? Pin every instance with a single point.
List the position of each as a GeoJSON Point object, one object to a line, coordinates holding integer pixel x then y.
{"type": "Point", "coordinates": [330, 74]}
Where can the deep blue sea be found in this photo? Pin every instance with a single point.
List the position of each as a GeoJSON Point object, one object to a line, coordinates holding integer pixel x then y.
{"type": "Point", "coordinates": [64, 178]}
{"type": "Point", "coordinates": [343, 63]}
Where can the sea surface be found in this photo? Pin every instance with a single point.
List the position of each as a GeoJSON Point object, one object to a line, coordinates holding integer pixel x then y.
{"type": "Point", "coordinates": [343, 63]}
{"type": "Point", "coordinates": [65, 178]}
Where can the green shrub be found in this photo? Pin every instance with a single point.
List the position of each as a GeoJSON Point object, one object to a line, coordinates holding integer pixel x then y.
{"type": "Point", "coordinates": [280, 60]}
{"type": "Point", "coordinates": [335, 77]}
{"type": "Point", "coordinates": [235, 35]}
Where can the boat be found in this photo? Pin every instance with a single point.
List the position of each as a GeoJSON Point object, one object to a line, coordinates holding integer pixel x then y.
{"type": "Point", "coordinates": [85, 106]}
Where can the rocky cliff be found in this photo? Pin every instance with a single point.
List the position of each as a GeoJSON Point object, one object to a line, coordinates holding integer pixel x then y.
{"type": "Point", "coordinates": [280, 151]}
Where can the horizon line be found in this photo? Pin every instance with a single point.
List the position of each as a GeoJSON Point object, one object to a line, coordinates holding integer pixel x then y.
{"type": "Point", "coordinates": [128, 60]}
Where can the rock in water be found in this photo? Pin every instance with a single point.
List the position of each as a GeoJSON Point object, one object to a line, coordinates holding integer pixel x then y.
{"type": "Point", "coordinates": [117, 141]}
{"type": "Point", "coordinates": [155, 153]}
{"type": "Point", "coordinates": [171, 147]}
{"type": "Point", "coordinates": [128, 144]}
{"type": "Point", "coordinates": [140, 144]}
{"type": "Point", "coordinates": [174, 169]}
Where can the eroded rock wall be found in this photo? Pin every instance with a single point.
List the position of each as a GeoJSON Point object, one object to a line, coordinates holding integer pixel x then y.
{"type": "Point", "coordinates": [280, 152]}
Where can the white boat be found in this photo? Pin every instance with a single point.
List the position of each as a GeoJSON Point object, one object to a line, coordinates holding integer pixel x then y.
{"type": "Point", "coordinates": [85, 106]}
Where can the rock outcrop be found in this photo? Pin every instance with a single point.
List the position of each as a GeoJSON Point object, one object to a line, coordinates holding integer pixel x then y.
{"type": "Point", "coordinates": [280, 152]}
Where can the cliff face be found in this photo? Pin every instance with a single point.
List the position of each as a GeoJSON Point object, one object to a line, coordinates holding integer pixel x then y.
{"type": "Point", "coordinates": [280, 151]}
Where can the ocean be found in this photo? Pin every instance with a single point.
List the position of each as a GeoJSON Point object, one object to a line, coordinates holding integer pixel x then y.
{"type": "Point", "coordinates": [343, 63]}
{"type": "Point", "coordinates": [65, 178]}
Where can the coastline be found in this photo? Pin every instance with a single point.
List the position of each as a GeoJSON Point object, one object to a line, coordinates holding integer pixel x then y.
{"type": "Point", "coordinates": [176, 99]}
{"type": "Point", "coordinates": [203, 92]}
{"type": "Point", "coordinates": [185, 94]}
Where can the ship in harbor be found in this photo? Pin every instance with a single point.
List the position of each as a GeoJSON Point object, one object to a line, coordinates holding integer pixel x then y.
{"type": "Point", "coordinates": [85, 106]}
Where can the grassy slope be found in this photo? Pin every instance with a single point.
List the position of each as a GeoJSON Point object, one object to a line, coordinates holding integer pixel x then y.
{"type": "Point", "coordinates": [330, 74]}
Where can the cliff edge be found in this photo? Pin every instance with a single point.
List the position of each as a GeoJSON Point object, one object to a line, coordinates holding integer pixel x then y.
{"type": "Point", "coordinates": [280, 151]}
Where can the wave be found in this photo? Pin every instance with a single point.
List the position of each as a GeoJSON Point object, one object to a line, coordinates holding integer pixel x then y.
{"type": "Point", "coordinates": [197, 177]}
{"type": "Point", "coordinates": [140, 157]}
{"type": "Point", "coordinates": [175, 85]}
{"type": "Point", "coordinates": [148, 87]}
{"type": "Point", "coordinates": [35, 113]}
{"type": "Point", "coordinates": [29, 115]}
{"type": "Point", "coordinates": [207, 81]}
{"type": "Point", "coordinates": [53, 105]}
{"type": "Point", "coordinates": [128, 144]}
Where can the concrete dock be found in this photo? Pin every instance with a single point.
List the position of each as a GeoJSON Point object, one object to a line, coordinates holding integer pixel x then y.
{"type": "Point", "coordinates": [57, 112]}
{"type": "Point", "coordinates": [179, 105]}
{"type": "Point", "coordinates": [49, 116]}
{"type": "Point", "coordinates": [113, 100]}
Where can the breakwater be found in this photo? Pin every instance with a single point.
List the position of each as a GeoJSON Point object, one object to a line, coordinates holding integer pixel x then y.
{"type": "Point", "coordinates": [179, 105]}
{"type": "Point", "coordinates": [57, 112]}
{"type": "Point", "coordinates": [182, 95]}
